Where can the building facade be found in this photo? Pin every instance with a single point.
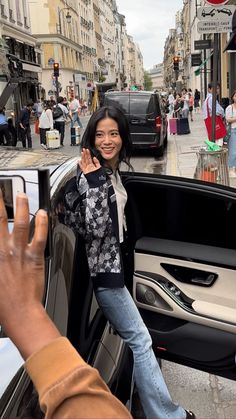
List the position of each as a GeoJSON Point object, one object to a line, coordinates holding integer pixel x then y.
{"type": "Point", "coordinates": [19, 44]}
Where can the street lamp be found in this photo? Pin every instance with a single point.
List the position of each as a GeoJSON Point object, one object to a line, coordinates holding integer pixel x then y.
{"type": "Point", "coordinates": [68, 18]}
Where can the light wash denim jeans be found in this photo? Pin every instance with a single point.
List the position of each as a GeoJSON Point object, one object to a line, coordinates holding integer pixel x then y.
{"type": "Point", "coordinates": [232, 148]}
{"type": "Point", "coordinates": [75, 118]}
{"type": "Point", "coordinates": [119, 308]}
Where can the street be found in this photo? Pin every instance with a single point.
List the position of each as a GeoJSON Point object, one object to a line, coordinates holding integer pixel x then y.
{"type": "Point", "coordinates": [208, 396]}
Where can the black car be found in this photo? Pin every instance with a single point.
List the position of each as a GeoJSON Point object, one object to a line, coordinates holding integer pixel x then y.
{"type": "Point", "coordinates": [147, 118]}
{"type": "Point", "coordinates": [183, 251]}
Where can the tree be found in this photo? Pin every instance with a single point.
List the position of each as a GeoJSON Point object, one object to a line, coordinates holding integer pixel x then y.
{"type": "Point", "coordinates": [147, 81]}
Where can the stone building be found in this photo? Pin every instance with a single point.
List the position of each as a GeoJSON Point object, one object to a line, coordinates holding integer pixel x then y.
{"type": "Point", "coordinates": [16, 39]}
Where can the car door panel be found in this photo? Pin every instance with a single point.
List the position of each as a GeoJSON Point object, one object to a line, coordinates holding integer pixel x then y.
{"type": "Point", "coordinates": [184, 281]}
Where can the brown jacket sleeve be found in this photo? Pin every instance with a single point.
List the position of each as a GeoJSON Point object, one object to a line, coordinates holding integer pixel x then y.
{"type": "Point", "coordinates": [70, 388]}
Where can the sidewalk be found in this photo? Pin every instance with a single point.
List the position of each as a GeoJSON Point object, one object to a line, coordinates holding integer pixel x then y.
{"type": "Point", "coordinates": [182, 149]}
{"type": "Point", "coordinates": [181, 153]}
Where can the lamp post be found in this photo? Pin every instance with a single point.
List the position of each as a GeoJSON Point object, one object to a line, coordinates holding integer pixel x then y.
{"type": "Point", "coordinates": [68, 19]}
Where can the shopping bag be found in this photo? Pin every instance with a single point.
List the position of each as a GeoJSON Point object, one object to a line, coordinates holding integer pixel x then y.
{"type": "Point", "coordinates": [220, 129]}
{"type": "Point", "coordinates": [36, 126]}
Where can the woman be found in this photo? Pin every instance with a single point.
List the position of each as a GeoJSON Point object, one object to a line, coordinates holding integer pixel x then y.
{"type": "Point", "coordinates": [96, 210]}
{"type": "Point", "coordinates": [196, 100]}
{"type": "Point", "coordinates": [230, 115]}
{"type": "Point", "coordinates": [45, 124]}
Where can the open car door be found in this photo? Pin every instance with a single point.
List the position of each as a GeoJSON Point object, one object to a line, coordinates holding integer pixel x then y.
{"type": "Point", "coordinates": [183, 233]}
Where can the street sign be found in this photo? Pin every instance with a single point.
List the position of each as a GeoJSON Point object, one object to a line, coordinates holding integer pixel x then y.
{"type": "Point", "coordinates": [51, 61]}
{"type": "Point", "coordinates": [215, 19]}
{"type": "Point", "coordinates": [214, 27]}
{"type": "Point", "coordinates": [219, 13]}
{"type": "Point", "coordinates": [196, 60]}
{"type": "Point", "coordinates": [203, 44]}
{"type": "Point", "coordinates": [216, 2]}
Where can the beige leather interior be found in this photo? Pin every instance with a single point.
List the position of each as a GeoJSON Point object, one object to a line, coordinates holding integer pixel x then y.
{"type": "Point", "coordinates": [214, 306]}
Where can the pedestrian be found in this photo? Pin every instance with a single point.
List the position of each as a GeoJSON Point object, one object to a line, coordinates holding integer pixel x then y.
{"type": "Point", "coordinates": [191, 103]}
{"type": "Point", "coordinates": [66, 385]}
{"type": "Point", "coordinates": [38, 108]}
{"type": "Point", "coordinates": [75, 109]}
{"type": "Point", "coordinates": [207, 109]}
{"type": "Point", "coordinates": [197, 97]}
{"type": "Point", "coordinates": [52, 101]}
{"type": "Point", "coordinates": [45, 124]}
{"type": "Point", "coordinates": [230, 115]}
{"type": "Point", "coordinates": [65, 102]}
{"type": "Point", "coordinates": [24, 125]}
{"type": "Point", "coordinates": [171, 101]}
{"type": "Point", "coordinates": [185, 99]}
{"type": "Point", "coordinates": [5, 137]}
{"type": "Point", "coordinates": [59, 123]}
{"type": "Point", "coordinates": [95, 204]}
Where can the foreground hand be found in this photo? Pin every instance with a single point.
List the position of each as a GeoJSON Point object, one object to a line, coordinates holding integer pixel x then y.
{"type": "Point", "coordinates": [21, 263]}
{"type": "Point", "coordinates": [88, 163]}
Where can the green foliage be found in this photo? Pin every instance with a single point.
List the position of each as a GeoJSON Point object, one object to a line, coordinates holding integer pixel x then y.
{"type": "Point", "coordinates": [147, 81]}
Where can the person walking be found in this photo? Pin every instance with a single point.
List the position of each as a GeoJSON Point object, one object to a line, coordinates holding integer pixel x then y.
{"type": "Point", "coordinates": [191, 103]}
{"type": "Point", "coordinates": [24, 125]}
{"type": "Point", "coordinates": [45, 124]}
{"type": "Point", "coordinates": [185, 99]}
{"type": "Point", "coordinates": [4, 130]}
{"type": "Point", "coordinates": [230, 115]}
{"type": "Point", "coordinates": [207, 108]}
{"type": "Point", "coordinates": [197, 97]}
{"type": "Point", "coordinates": [59, 123]}
{"type": "Point", "coordinates": [75, 109]}
{"type": "Point", "coordinates": [95, 203]}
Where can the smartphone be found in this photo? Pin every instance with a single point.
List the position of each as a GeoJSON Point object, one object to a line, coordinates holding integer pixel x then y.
{"type": "Point", "coordinates": [11, 186]}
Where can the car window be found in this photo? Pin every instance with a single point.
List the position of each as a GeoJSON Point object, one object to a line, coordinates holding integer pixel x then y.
{"type": "Point", "coordinates": [122, 101]}
{"type": "Point", "coordinates": [142, 104]}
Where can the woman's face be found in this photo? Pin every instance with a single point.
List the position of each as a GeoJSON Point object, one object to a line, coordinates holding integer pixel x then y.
{"type": "Point", "coordinates": [108, 141]}
{"type": "Point", "coordinates": [234, 97]}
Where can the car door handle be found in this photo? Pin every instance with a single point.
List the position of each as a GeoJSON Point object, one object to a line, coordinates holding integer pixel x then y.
{"type": "Point", "coordinates": [135, 121]}
{"type": "Point", "coordinates": [208, 281]}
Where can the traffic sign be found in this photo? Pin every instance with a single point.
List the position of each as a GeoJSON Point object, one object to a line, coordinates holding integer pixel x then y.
{"type": "Point", "coordinates": [216, 2]}
{"type": "Point", "coordinates": [219, 13]}
{"type": "Point", "coordinates": [203, 44]}
{"type": "Point", "coordinates": [215, 19]}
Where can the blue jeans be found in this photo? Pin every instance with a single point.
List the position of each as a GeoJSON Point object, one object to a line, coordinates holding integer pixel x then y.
{"type": "Point", "coordinates": [232, 148]}
{"type": "Point", "coordinates": [121, 311]}
{"type": "Point", "coordinates": [75, 118]}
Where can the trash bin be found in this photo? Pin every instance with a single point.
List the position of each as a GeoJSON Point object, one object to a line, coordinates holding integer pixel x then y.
{"type": "Point", "coordinates": [212, 166]}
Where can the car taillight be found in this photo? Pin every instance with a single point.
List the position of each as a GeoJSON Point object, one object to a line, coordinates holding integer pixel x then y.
{"type": "Point", "coordinates": [158, 123]}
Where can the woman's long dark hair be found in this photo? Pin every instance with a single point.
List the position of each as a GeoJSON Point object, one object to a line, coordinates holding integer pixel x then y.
{"type": "Point", "coordinates": [232, 96]}
{"type": "Point", "coordinates": [113, 112]}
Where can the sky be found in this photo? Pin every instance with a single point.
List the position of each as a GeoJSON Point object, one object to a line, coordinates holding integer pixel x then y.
{"type": "Point", "coordinates": [149, 21]}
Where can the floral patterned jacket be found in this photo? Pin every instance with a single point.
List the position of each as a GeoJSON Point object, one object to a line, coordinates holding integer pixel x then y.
{"type": "Point", "coordinates": [91, 211]}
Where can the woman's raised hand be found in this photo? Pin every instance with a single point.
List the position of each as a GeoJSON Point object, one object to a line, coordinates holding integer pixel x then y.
{"type": "Point", "coordinates": [88, 163]}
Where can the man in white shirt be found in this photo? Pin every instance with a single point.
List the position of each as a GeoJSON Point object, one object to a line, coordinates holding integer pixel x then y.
{"type": "Point", "coordinates": [74, 109]}
{"type": "Point", "coordinates": [207, 107]}
{"type": "Point", "coordinates": [59, 123]}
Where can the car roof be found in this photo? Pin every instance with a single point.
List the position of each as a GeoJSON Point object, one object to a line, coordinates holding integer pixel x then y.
{"type": "Point", "coordinates": [137, 92]}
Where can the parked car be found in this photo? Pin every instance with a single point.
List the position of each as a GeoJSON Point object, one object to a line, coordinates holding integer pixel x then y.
{"type": "Point", "coordinates": [147, 118]}
{"type": "Point", "coordinates": [181, 261]}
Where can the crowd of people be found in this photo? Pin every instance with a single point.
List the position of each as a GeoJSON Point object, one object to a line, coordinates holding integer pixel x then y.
{"type": "Point", "coordinates": [46, 118]}
{"type": "Point", "coordinates": [181, 104]}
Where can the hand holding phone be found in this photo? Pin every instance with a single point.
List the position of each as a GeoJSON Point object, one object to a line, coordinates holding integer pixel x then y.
{"type": "Point", "coordinates": [10, 187]}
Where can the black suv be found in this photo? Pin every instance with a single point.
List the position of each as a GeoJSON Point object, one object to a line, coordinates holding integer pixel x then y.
{"type": "Point", "coordinates": [146, 116]}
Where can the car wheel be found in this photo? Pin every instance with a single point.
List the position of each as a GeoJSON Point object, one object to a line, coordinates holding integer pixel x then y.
{"type": "Point", "coordinates": [159, 151]}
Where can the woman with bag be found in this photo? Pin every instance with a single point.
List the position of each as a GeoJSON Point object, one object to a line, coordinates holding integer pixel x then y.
{"type": "Point", "coordinates": [230, 115]}
{"type": "Point", "coordinates": [45, 124]}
